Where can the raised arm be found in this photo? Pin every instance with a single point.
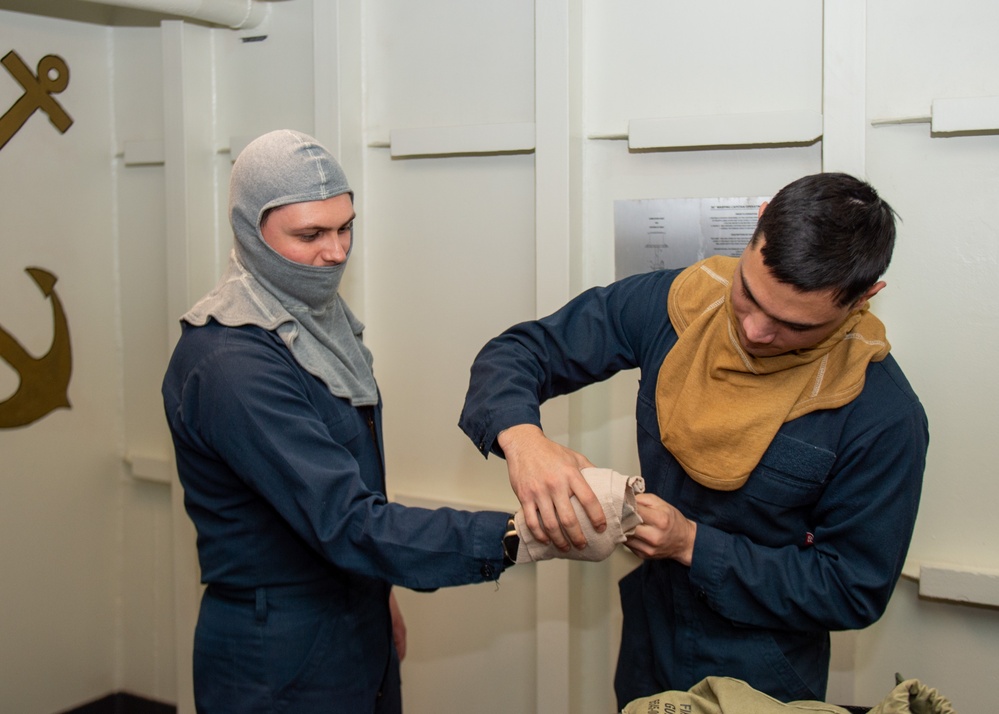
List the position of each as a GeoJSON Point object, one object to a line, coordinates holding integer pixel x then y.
{"type": "Point", "coordinates": [594, 336]}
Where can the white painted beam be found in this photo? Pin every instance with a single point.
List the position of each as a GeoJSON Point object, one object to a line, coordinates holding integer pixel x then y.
{"type": "Point", "coordinates": [338, 61]}
{"type": "Point", "coordinates": [844, 86]}
{"type": "Point", "coordinates": [959, 583]}
{"type": "Point", "coordinates": [143, 152]}
{"type": "Point", "coordinates": [192, 266]}
{"type": "Point", "coordinates": [960, 114]}
{"type": "Point", "coordinates": [950, 115]}
{"type": "Point", "coordinates": [754, 129]}
{"type": "Point", "coordinates": [155, 469]}
{"type": "Point", "coordinates": [469, 139]}
{"type": "Point", "coordinates": [553, 106]}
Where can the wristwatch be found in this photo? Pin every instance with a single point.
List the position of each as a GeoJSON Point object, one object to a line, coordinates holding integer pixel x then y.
{"type": "Point", "coordinates": [511, 543]}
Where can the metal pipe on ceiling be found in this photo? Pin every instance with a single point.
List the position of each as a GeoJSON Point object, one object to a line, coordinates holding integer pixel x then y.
{"type": "Point", "coordinates": [235, 14]}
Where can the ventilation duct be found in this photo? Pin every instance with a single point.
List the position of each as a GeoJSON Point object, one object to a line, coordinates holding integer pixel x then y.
{"type": "Point", "coordinates": [235, 14]}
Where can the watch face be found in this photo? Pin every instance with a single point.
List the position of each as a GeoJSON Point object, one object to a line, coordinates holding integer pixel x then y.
{"type": "Point", "coordinates": [511, 544]}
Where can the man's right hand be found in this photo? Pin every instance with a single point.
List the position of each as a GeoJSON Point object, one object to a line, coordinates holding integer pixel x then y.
{"type": "Point", "coordinates": [543, 475]}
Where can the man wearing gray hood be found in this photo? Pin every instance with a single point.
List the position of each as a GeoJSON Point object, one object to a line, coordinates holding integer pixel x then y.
{"type": "Point", "coordinates": [276, 421]}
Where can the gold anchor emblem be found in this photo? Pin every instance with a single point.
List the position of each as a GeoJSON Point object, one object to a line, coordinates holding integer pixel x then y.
{"type": "Point", "coordinates": [44, 380]}
{"type": "Point", "coordinates": [52, 78]}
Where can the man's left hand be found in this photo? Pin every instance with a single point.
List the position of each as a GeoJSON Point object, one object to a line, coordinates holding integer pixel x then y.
{"type": "Point", "coordinates": [665, 533]}
{"type": "Point", "coordinates": [398, 627]}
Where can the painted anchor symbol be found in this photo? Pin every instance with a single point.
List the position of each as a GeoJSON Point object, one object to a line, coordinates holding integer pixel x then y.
{"type": "Point", "coordinates": [53, 77]}
{"type": "Point", "coordinates": [44, 380]}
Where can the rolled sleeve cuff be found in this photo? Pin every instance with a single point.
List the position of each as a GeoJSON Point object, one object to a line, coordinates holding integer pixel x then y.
{"type": "Point", "coordinates": [706, 565]}
{"type": "Point", "coordinates": [484, 430]}
{"type": "Point", "coordinates": [489, 531]}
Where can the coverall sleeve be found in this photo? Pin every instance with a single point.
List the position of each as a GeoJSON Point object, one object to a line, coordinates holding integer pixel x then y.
{"type": "Point", "coordinates": [251, 408]}
{"type": "Point", "coordinates": [591, 338]}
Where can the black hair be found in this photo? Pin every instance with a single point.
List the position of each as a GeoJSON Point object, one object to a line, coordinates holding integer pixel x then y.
{"type": "Point", "coordinates": [827, 231]}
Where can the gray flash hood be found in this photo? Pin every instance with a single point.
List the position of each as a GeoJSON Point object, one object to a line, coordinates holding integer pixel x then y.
{"type": "Point", "coordinates": [301, 303]}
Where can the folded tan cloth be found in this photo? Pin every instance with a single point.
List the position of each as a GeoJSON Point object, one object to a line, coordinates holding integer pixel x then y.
{"type": "Point", "coordinates": [616, 493]}
{"type": "Point", "coordinates": [726, 695]}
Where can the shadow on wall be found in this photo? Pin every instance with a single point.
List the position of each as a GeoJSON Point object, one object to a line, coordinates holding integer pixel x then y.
{"type": "Point", "coordinates": [123, 703]}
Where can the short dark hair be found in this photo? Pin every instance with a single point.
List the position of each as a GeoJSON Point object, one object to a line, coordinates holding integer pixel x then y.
{"type": "Point", "coordinates": [827, 231]}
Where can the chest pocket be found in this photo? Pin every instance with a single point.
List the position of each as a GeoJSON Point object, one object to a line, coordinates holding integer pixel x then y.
{"type": "Point", "coordinates": [340, 419]}
{"type": "Point", "coordinates": [775, 506]}
{"type": "Point", "coordinates": [791, 473]}
{"type": "Point", "coordinates": [343, 425]}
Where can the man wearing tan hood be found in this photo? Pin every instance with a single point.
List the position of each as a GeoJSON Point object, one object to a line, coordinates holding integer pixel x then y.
{"type": "Point", "coordinates": [781, 447]}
